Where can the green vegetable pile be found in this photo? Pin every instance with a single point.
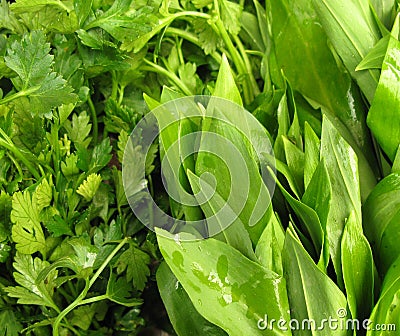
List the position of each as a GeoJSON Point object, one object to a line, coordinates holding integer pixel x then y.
{"type": "Point", "coordinates": [319, 80]}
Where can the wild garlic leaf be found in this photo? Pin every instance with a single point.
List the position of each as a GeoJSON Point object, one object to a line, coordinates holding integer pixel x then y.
{"type": "Point", "coordinates": [89, 187]}
{"type": "Point", "coordinates": [383, 117]}
{"type": "Point", "coordinates": [358, 269]}
{"type": "Point", "coordinates": [312, 294]}
{"type": "Point", "coordinates": [381, 215]}
{"type": "Point", "coordinates": [217, 275]}
{"type": "Point", "coordinates": [30, 291]}
{"type": "Point", "coordinates": [342, 167]}
{"type": "Point", "coordinates": [27, 231]}
{"type": "Point", "coordinates": [184, 317]}
{"type": "Point", "coordinates": [352, 30]}
{"type": "Point", "coordinates": [136, 264]}
{"type": "Point", "coordinates": [36, 82]}
{"type": "Point", "coordinates": [270, 245]}
{"type": "Point", "coordinates": [222, 222]}
{"type": "Point", "coordinates": [374, 59]}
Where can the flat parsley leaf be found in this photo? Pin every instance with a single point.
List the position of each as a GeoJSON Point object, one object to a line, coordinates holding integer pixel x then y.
{"type": "Point", "coordinates": [135, 262]}
{"type": "Point", "coordinates": [29, 291]}
{"type": "Point", "coordinates": [89, 187]}
{"type": "Point", "coordinates": [37, 84]}
{"type": "Point", "coordinates": [27, 231]}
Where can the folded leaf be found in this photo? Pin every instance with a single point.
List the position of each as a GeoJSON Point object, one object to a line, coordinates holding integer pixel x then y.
{"type": "Point", "coordinates": [342, 166]}
{"type": "Point", "coordinates": [383, 116]}
{"type": "Point", "coordinates": [358, 269]}
{"type": "Point", "coordinates": [312, 294]}
{"type": "Point", "coordinates": [381, 215]}
{"type": "Point", "coordinates": [351, 27]}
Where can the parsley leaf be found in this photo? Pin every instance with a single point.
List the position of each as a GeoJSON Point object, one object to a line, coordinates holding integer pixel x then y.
{"type": "Point", "coordinates": [135, 262]}
{"type": "Point", "coordinates": [37, 84]}
{"type": "Point", "coordinates": [27, 231]}
{"type": "Point", "coordinates": [89, 187]}
{"type": "Point", "coordinates": [29, 291]}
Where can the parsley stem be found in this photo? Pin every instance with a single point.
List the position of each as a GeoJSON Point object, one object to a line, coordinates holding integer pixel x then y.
{"type": "Point", "coordinates": [80, 300]}
{"type": "Point", "coordinates": [249, 70]}
{"type": "Point", "coordinates": [219, 27]}
{"type": "Point", "coordinates": [94, 119]}
{"type": "Point", "coordinates": [8, 144]}
{"type": "Point", "coordinates": [18, 94]}
{"type": "Point", "coordinates": [174, 78]}
{"type": "Point", "coordinates": [192, 38]}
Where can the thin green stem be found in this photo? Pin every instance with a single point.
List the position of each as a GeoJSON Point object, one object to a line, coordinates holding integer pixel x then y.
{"type": "Point", "coordinates": [192, 38]}
{"type": "Point", "coordinates": [19, 94]}
{"type": "Point", "coordinates": [93, 299]}
{"type": "Point", "coordinates": [94, 119]}
{"type": "Point", "coordinates": [219, 27]}
{"type": "Point", "coordinates": [114, 89]}
{"type": "Point", "coordinates": [88, 283]}
{"type": "Point", "coordinates": [247, 64]}
{"type": "Point", "coordinates": [8, 144]}
{"type": "Point", "coordinates": [174, 78]}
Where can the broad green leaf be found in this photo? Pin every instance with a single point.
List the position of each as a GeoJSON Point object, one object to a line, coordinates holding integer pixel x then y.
{"type": "Point", "coordinates": [220, 282]}
{"type": "Point", "coordinates": [358, 269]}
{"type": "Point", "coordinates": [308, 217]}
{"type": "Point", "coordinates": [183, 315]}
{"type": "Point", "coordinates": [312, 294]}
{"type": "Point", "coordinates": [383, 117]}
{"type": "Point", "coordinates": [227, 159]}
{"type": "Point", "coordinates": [384, 9]}
{"type": "Point", "coordinates": [283, 128]}
{"type": "Point", "coordinates": [342, 166]}
{"type": "Point", "coordinates": [270, 245]}
{"type": "Point", "coordinates": [251, 31]}
{"type": "Point", "coordinates": [351, 27]}
{"type": "Point", "coordinates": [374, 59]}
{"type": "Point", "coordinates": [396, 162]}
{"type": "Point", "coordinates": [220, 217]}
{"type": "Point", "coordinates": [302, 52]}
{"type": "Point", "coordinates": [295, 161]}
{"type": "Point", "coordinates": [312, 146]}
{"type": "Point", "coordinates": [27, 231]}
{"type": "Point", "coordinates": [386, 310]}
{"type": "Point", "coordinates": [225, 86]}
{"type": "Point", "coordinates": [381, 214]}
{"type": "Point", "coordinates": [177, 141]}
